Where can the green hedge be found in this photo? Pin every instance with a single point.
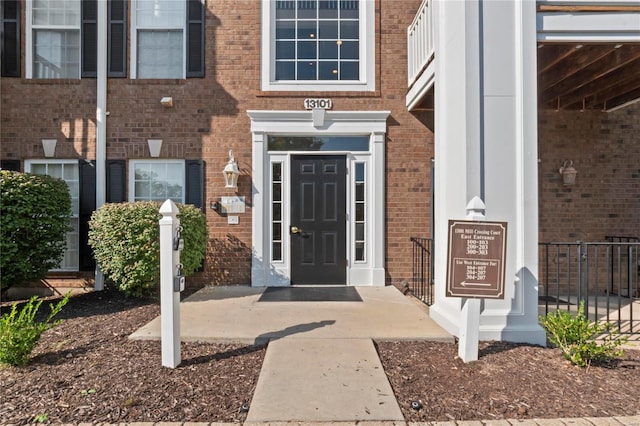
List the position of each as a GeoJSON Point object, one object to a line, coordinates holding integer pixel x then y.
{"type": "Point", "coordinates": [126, 245]}
{"type": "Point", "coordinates": [34, 218]}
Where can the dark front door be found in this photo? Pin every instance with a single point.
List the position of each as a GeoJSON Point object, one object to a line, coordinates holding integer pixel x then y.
{"type": "Point", "coordinates": [318, 219]}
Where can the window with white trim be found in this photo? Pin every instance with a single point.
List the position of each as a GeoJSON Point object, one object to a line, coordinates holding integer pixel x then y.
{"type": "Point", "coordinates": [317, 45]}
{"type": "Point", "coordinates": [67, 171]}
{"type": "Point", "coordinates": [55, 38]}
{"type": "Point", "coordinates": [158, 39]}
{"type": "Point", "coordinates": [157, 180]}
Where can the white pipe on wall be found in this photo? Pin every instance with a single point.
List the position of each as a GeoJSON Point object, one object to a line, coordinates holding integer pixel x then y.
{"type": "Point", "coordinates": [101, 120]}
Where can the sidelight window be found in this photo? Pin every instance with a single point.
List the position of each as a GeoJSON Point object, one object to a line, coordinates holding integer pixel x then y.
{"type": "Point", "coordinates": [361, 208]}
{"type": "Point", "coordinates": [276, 212]}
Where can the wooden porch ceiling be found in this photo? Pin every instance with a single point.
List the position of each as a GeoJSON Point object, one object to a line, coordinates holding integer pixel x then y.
{"type": "Point", "coordinates": [582, 76]}
{"type": "Point", "coordinates": [588, 76]}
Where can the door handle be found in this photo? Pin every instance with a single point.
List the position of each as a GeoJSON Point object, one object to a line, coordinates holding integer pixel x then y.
{"type": "Point", "coordinates": [295, 230]}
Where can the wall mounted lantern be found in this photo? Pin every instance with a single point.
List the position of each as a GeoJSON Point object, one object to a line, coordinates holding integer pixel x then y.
{"type": "Point", "coordinates": [49, 146]}
{"type": "Point", "coordinates": [155, 145]}
{"type": "Point", "coordinates": [231, 172]}
{"type": "Point", "coordinates": [568, 173]}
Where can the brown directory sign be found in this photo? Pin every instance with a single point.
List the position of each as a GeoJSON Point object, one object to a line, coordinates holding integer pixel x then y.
{"type": "Point", "coordinates": [476, 254]}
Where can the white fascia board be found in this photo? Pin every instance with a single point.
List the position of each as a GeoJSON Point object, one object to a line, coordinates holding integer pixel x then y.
{"type": "Point", "coordinates": [588, 26]}
{"type": "Point", "coordinates": [421, 86]}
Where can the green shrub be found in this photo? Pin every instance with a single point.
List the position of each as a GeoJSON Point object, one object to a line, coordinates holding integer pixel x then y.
{"type": "Point", "coordinates": [576, 337]}
{"type": "Point", "coordinates": [34, 217]}
{"type": "Point", "coordinates": [126, 245]}
{"type": "Point", "coordinates": [19, 333]}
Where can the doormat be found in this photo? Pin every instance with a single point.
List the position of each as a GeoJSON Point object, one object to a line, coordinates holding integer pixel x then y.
{"type": "Point", "coordinates": [310, 294]}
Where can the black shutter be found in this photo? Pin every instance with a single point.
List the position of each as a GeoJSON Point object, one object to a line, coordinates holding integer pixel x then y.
{"type": "Point", "coordinates": [10, 38]}
{"type": "Point", "coordinates": [87, 207]}
{"type": "Point", "coordinates": [117, 39]}
{"type": "Point", "coordinates": [116, 181]}
{"type": "Point", "coordinates": [195, 38]}
{"type": "Point", "coordinates": [12, 165]}
{"type": "Point", "coordinates": [89, 38]}
{"type": "Point", "coordinates": [194, 182]}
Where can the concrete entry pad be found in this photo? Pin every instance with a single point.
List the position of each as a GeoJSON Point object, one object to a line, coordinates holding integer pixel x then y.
{"type": "Point", "coordinates": [323, 380]}
{"type": "Point", "coordinates": [233, 315]}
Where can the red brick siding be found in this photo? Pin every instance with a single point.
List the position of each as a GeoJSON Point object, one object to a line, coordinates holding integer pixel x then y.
{"type": "Point", "coordinates": [209, 118]}
{"type": "Point", "coordinates": [605, 150]}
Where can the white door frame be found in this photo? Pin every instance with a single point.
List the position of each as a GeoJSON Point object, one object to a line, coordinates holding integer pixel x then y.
{"type": "Point", "coordinates": [265, 271]}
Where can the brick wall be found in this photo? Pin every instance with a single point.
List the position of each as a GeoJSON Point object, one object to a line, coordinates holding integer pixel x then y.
{"type": "Point", "coordinates": [605, 150]}
{"type": "Point", "coordinates": [209, 118]}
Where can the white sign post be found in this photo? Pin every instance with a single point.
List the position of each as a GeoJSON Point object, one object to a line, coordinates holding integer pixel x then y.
{"type": "Point", "coordinates": [169, 297]}
{"type": "Point", "coordinates": [470, 325]}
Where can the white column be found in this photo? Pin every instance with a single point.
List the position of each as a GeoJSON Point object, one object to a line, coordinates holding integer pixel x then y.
{"type": "Point", "coordinates": [169, 298]}
{"type": "Point", "coordinates": [377, 242]}
{"type": "Point", "coordinates": [486, 146]}
{"type": "Point", "coordinates": [259, 262]}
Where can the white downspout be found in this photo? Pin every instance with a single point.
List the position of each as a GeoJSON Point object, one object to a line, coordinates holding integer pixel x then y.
{"type": "Point", "coordinates": [101, 120]}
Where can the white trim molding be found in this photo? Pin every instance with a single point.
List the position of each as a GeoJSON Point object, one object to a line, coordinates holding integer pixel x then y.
{"type": "Point", "coordinates": [268, 272]}
{"type": "Point", "coordinates": [588, 26]}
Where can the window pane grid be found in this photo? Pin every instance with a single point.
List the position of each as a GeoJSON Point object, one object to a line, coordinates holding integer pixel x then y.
{"type": "Point", "coordinates": [360, 202]}
{"type": "Point", "coordinates": [276, 212]}
{"type": "Point", "coordinates": [56, 13]}
{"type": "Point", "coordinates": [162, 14]}
{"type": "Point", "coordinates": [317, 40]}
{"type": "Point", "coordinates": [156, 181]}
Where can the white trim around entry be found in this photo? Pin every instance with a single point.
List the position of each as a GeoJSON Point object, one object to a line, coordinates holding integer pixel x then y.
{"type": "Point", "coordinates": [371, 271]}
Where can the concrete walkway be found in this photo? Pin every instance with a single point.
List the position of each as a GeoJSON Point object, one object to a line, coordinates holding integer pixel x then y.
{"type": "Point", "coordinates": [323, 380]}
{"type": "Point", "coordinates": [321, 364]}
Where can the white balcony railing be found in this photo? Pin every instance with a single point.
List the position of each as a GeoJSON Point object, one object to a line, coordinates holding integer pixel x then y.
{"type": "Point", "coordinates": [420, 44]}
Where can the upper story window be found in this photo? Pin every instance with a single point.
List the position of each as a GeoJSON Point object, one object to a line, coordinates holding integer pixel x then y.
{"type": "Point", "coordinates": [167, 39]}
{"type": "Point", "coordinates": [55, 27]}
{"type": "Point", "coordinates": [314, 45]}
{"type": "Point", "coordinates": [61, 38]}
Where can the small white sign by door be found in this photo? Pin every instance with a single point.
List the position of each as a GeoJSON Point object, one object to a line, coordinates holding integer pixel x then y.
{"type": "Point", "coordinates": [232, 204]}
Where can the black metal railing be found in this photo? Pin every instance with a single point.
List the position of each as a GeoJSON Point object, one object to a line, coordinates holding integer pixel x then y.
{"type": "Point", "coordinates": [602, 275]}
{"type": "Point", "coordinates": [421, 284]}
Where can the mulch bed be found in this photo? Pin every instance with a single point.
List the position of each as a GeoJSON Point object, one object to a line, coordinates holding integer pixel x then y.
{"type": "Point", "coordinates": [87, 370]}
{"type": "Point", "coordinates": [509, 381]}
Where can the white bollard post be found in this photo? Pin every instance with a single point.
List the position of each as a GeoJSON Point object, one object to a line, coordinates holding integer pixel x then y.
{"type": "Point", "coordinates": [470, 321]}
{"type": "Point", "coordinates": [169, 298]}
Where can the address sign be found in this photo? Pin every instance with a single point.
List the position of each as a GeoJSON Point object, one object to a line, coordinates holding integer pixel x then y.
{"type": "Point", "coordinates": [314, 103]}
{"type": "Point", "coordinates": [476, 254]}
